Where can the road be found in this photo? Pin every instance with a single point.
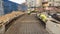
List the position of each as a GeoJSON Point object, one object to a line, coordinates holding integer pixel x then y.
{"type": "Point", "coordinates": [27, 24]}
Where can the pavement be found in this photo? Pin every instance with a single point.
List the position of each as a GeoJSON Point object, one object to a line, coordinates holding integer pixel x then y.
{"type": "Point", "coordinates": [27, 24]}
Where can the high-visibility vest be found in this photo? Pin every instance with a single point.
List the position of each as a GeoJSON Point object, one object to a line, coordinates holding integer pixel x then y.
{"type": "Point", "coordinates": [43, 17]}
{"type": "Point", "coordinates": [28, 11]}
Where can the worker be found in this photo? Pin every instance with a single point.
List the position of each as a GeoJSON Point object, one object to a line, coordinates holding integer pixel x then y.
{"type": "Point", "coordinates": [29, 12]}
{"type": "Point", "coordinates": [43, 17]}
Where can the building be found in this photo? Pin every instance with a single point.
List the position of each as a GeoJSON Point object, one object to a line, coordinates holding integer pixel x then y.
{"type": "Point", "coordinates": [38, 3]}
{"type": "Point", "coordinates": [34, 3]}
{"type": "Point", "coordinates": [53, 2]}
{"type": "Point", "coordinates": [56, 2]}
{"type": "Point", "coordinates": [1, 8]}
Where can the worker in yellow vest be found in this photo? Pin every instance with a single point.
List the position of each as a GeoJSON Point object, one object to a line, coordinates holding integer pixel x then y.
{"type": "Point", "coordinates": [43, 17]}
{"type": "Point", "coordinates": [28, 12]}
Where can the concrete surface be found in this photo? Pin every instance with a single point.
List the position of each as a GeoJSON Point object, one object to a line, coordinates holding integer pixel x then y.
{"type": "Point", "coordinates": [27, 24]}
{"type": "Point", "coordinates": [52, 27]}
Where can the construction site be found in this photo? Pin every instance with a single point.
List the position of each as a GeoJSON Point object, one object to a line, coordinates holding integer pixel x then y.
{"type": "Point", "coordinates": [30, 17]}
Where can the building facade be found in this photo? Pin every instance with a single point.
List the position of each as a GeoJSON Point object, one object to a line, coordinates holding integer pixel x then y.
{"type": "Point", "coordinates": [38, 3]}
{"type": "Point", "coordinates": [57, 2]}
{"type": "Point", "coordinates": [34, 3]}
{"type": "Point", "coordinates": [53, 2]}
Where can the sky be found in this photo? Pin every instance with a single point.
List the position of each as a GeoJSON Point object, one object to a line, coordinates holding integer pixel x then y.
{"type": "Point", "coordinates": [18, 1]}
